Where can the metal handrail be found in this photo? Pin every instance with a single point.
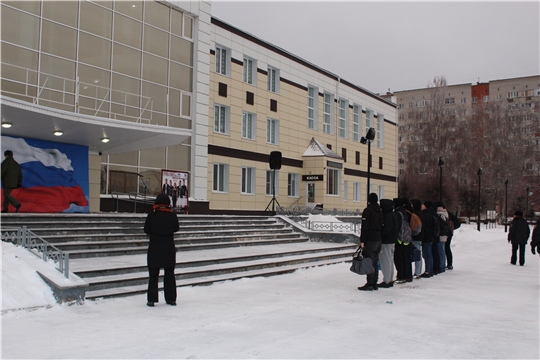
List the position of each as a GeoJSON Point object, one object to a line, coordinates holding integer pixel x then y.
{"type": "Point", "coordinates": [330, 225]}
{"type": "Point", "coordinates": [39, 247]}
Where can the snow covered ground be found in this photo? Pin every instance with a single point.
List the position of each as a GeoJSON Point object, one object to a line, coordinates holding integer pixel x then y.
{"type": "Point", "coordinates": [484, 308]}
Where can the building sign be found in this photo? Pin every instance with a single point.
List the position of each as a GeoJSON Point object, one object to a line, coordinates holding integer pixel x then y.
{"type": "Point", "coordinates": [334, 164]}
{"type": "Point", "coordinates": [312, 178]}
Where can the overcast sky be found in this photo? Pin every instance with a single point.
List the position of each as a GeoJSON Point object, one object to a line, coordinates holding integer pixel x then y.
{"type": "Point", "coordinates": [399, 45]}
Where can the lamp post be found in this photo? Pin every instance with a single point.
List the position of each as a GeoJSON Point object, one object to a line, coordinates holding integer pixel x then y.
{"type": "Point", "coordinates": [441, 164]}
{"type": "Point", "coordinates": [370, 135]}
{"type": "Point", "coordinates": [479, 182]}
{"type": "Point", "coordinates": [506, 206]}
{"type": "Point", "coordinates": [527, 203]}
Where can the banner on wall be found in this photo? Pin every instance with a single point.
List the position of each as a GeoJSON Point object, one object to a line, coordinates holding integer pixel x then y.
{"type": "Point", "coordinates": [55, 175]}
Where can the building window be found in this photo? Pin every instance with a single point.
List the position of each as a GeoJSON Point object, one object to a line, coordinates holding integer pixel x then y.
{"type": "Point", "coordinates": [333, 182]}
{"type": "Point", "coordinates": [380, 162]}
{"type": "Point", "coordinates": [369, 119]}
{"type": "Point", "coordinates": [512, 94]}
{"type": "Point", "coordinates": [272, 182]}
{"type": "Point", "coordinates": [449, 101]}
{"type": "Point", "coordinates": [248, 125]}
{"type": "Point", "coordinates": [220, 178]}
{"type": "Point", "coordinates": [356, 192]}
{"type": "Point", "coordinates": [221, 119]}
{"type": "Point", "coordinates": [273, 80]}
{"type": "Point", "coordinates": [357, 160]}
{"type": "Point", "coordinates": [463, 100]}
{"type": "Point", "coordinates": [357, 122]}
{"type": "Point", "coordinates": [293, 185]}
{"type": "Point", "coordinates": [250, 71]}
{"type": "Point", "coordinates": [272, 131]}
{"type": "Point", "coordinates": [248, 180]}
{"type": "Point", "coordinates": [474, 100]}
{"type": "Point", "coordinates": [344, 154]}
{"type": "Point", "coordinates": [328, 113]}
{"type": "Point", "coordinates": [345, 190]}
{"type": "Point", "coordinates": [223, 60]}
{"type": "Point", "coordinates": [380, 130]}
{"type": "Point", "coordinates": [313, 96]}
{"type": "Point", "coordinates": [381, 192]}
{"type": "Point", "coordinates": [343, 118]}
{"type": "Point", "coordinates": [486, 98]}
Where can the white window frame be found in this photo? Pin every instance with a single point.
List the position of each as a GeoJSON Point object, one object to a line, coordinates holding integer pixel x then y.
{"type": "Point", "coordinates": [293, 185]}
{"type": "Point", "coordinates": [250, 71]}
{"type": "Point", "coordinates": [313, 108]}
{"type": "Point", "coordinates": [381, 192]}
{"type": "Point", "coordinates": [249, 125]}
{"type": "Point", "coordinates": [357, 122]}
{"type": "Point", "coordinates": [223, 60]}
{"type": "Point", "coordinates": [380, 131]}
{"type": "Point", "coordinates": [273, 80]}
{"type": "Point", "coordinates": [357, 192]}
{"type": "Point", "coordinates": [343, 119]}
{"type": "Point", "coordinates": [221, 119]}
{"type": "Point", "coordinates": [328, 113]}
{"type": "Point", "coordinates": [247, 185]}
{"type": "Point", "coordinates": [333, 182]}
{"type": "Point", "coordinates": [272, 131]}
{"type": "Point", "coordinates": [269, 180]}
{"type": "Point", "coordinates": [369, 119]}
{"type": "Point", "coordinates": [220, 178]}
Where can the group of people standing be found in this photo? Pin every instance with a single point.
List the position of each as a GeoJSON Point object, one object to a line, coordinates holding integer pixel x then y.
{"type": "Point", "coordinates": [399, 232]}
{"type": "Point", "coordinates": [176, 192]}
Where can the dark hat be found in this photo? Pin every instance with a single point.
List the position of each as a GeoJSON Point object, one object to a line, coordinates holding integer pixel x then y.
{"type": "Point", "coordinates": [162, 199]}
{"type": "Point", "coordinates": [428, 203]}
{"type": "Point", "coordinates": [8, 153]}
{"type": "Point", "coordinates": [518, 213]}
{"type": "Point", "coordinates": [416, 204]}
{"type": "Point", "coordinates": [372, 198]}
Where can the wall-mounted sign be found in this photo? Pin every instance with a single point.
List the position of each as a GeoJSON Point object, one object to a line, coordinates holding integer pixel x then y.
{"type": "Point", "coordinates": [312, 178]}
{"type": "Point", "coordinates": [334, 164]}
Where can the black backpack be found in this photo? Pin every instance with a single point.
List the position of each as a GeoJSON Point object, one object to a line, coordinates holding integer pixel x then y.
{"type": "Point", "coordinates": [435, 229]}
{"type": "Point", "coordinates": [444, 229]}
{"type": "Point", "coordinates": [455, 220]}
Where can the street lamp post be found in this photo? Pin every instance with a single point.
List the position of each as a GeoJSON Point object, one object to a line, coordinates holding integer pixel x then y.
{"type": "Point", "coordinates": [506, 206]}
{"type": "Point", "coordinates": [370, 135]}
{"type": "Point", "coordinates": [441, 164]}
{"type": "Point", "coordinates": [527, 203]}
{"type": "Point", "coordinates": [479, 182]}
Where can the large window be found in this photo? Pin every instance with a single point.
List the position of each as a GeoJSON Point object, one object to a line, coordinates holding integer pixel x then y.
{"type": "Point", "coordinates": [369, 119]}
{"type": "Point", "coordinates": [273, 80]}
{"type": "Point", "coordinates": [345, 190]}
{"type": "Point", "coordinates": [313, 96]}
{"type": "Point", "coordinates": [220, 178]}
{"type": "Point", "coordinates": [293, 184]}
{"type": "Point", "coordinates": [272, 183]}
{"type": "Point", "coordinates": [333, 182]}
{"type": "Point", "coordinates": [380, 130]}
{"type": "Point", "coordinates": [357, 122]}
{"type": "Point", "coordinates": [272, 131]}
{"type": "Point", "coordinates": [356, 192]}
{"type": "Point", "coordinates": [343, 118]}
{"type": "Point", "coordinates": [250, 71]}
{"type": "Point", "coordinates": [248, 180]}
{"type": "Point", "coordinates": [221, 119]}
{"type": "Point", "coordinates": [223, 58]}
{"type": "Point", "coordinates": [248, 125]}
{"type": "Point", "coordinates": [328, 113]}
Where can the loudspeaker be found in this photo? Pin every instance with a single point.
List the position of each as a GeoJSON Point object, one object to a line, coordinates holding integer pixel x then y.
{"type": "Point", "coordinates": [275, 160]}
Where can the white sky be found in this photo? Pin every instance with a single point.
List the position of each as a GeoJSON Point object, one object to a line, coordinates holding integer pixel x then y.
{"type": "Point", "coordinates": [485, 308]}
{"type": "Point", "coordinates": [399, 45]}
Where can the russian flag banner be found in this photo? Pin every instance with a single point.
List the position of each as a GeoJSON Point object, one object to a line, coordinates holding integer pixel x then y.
{"type": "Point", "coordinates": [55, 175]}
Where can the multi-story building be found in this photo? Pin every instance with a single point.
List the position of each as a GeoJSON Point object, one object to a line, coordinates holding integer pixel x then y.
{"type": "Point", "coordinates": [143, 88]}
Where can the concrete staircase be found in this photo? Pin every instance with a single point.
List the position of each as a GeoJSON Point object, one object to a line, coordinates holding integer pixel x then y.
{"type": "Point", "coordinates": [109, 250]}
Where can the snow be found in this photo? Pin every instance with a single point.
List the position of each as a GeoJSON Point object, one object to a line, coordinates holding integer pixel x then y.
{"type": "Point", "coordinates": [484, 308]}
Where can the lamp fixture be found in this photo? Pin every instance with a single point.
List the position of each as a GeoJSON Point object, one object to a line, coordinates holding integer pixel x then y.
{"type": "Point", "coordinates": [105, 140]}
{"type": "Point", "coordinates": [6, 125]}
{"type": "Point", "coordinates": [58, 133]}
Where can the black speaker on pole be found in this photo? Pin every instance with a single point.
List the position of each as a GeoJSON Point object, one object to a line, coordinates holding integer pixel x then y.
{"type": "Point", "coordinates": [275, 160]}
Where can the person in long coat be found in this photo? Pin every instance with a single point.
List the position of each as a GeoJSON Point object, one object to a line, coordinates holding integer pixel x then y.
{"type": "Point", "coordinates": [160, 225]}
{"type": "Point", "coordinates": [518, 236]}
{"type": "Point", "coordinates": [535, 239]}
{"type": "Point", "coordinates": [11, 179]}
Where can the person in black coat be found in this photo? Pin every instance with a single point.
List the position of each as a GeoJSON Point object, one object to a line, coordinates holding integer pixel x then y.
{"type": "Point", "coordinates": [370, 238]}
{"type": "Point", "coordinates": [518, 236]}
{"type": "Point", "coordinates": [402, 255]}
{"type": "Point", "coordinates": [160, 225]}
{"type": "Point", "coordinates": [428, 222]}
{"type": "Point", "coordinates": [389, 234]}
{"type": "Point", "coordinates": [535, 240]}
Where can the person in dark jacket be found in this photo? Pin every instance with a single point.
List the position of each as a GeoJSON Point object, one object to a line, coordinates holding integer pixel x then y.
{"type": "Point", "coordinates": [417, 239]}
{"type": "Point", "coordinates": [535, 240]}
{"type": "Point", "coordinates": [370, 238]}
{"type": "Point", "coordinates": [427, 240]}
{"type": "Point", "coordinates": [389, 236]}
{"type": "Point", "coordinates": [160, 225]}
{"type": "Point", "coordinates": [12, 178]}
{"type": "Point", "coordinates": [402, 255]}
{"type": "Point", "coordinates": [518, 236]}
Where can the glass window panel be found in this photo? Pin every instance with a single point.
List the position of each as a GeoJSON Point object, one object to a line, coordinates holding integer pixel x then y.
{"type": "Point", "coordinates": [123, 179]}
{"type": "Point", "coordinates": [188, 27]}
{"type": "Point", "coordinates": [127, 31]}
{"type": "Point", "coordinates": [177, 18]}
{"type": "Point", "coordinates": [130, 8]}
{"type": "Point", "coordinates": [152, 179]}
{"type": "Point", "coordinates": [18, 56]}
{"type": "Point", "coordinates": [59, 40]}
{"type": "Point", "coordinates": [96, 19]}
{"type": "Point", "coordinates": [179, 122]}
{"type": "Point", "coordinates": [155, 117]}
{"type": "Point", "coordinates": [181, 50]}
{"type": "Point", "coordinates": [107, 4]}
{"type": "Point", "coordinates": [126, 90]}
{"type": "Point", "coordinates": [33, 7]}
{"type": "Point", "coordinates": [158, 94]}
{"type": "Point", "coordinates": [61, 69]}
{"type": "Point", "coordinates": [126, 60]}
{"type": "Point", "coordinates": [94, 51]}
{"type": "Point", "coordinates": [153, 157]}
{"type": "Point", "coordinates": [154, 69]}
{"type": "Point", "coordinates": [94, 82]}
{"type": "Point", "coordinates": [181, 77]}
{"type": "Point", "coordinates": [156, 14]}
{"type": "Point", "coordinates": [20, 28]}
{"type": "Point", "coordinates": [65, 12]}
{"type": "Point", "coordinates": [179, 158]}
{"type": "Point", "coordinates": [174, 102]}
{"type": "Point", "coordinates": [156, 41]}
{"type": "Point", "coordinates": [186, 105]}
{"type": "Point", "coordinates": [129, 158]}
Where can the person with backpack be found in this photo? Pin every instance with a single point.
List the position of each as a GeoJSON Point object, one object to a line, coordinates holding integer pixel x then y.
{"type": "Point", "coordinates": [429, 228]}
{"type": "Point", "coordinates": [518, 235]}
{"type": "Point", "coordinates": [370, 239]}
{"type": "Point", "coordinates": [444, 232]}
{"type": "Point", "coordinates": [389, 234]}
{"type": "Point", "coordinates": [455, 223]}
{"type": "Point", "coordinates": [402, 254]}
{"type": "Point", "coordinates": [418, 234]}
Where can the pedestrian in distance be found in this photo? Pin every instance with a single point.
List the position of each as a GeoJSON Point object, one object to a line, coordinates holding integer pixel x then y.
{"type": "Point", "coordinates": [535, 240]}
{"type": "Point", "coordinates": [12, 178]}
{"type": "Point", "coordinates": [370, 239]}
{"type": "Point", "coordinates": [389, 236]}
{"type": "Point", "coordinates": [160, 225]}
{"type": "Point", "coordinates": [428, 225]}
{"type": "Point", "coordinates": [417, 239]}
{"type": "Point", "coordinates": [454, 223]}
{"type": "Point", "coordinates": [518, 236]}
{"type": "Point", "coordinates": [443, 216]}
{"type": "Point", "coordinates": [402, 255]}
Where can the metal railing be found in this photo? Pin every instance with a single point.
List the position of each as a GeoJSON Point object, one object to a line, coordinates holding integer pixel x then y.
{"type": "Point", "coordinates": [135, 197]}
{"type": "Point", "coordinates": [306, 210]}
{"type": "Point", "coordinates": [39, 247]}
{"type": "Point", "coordinates": [332, 226]}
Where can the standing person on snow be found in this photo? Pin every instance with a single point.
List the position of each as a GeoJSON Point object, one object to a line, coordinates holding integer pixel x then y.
{"type": "Point", "coordinates": [160, 225]}
{"type": "Point", "coordinates": [402, 256]}
{"type": "Point", "coordinates": [417, 239]}
{"type": "Point", "coordinates": [427, 240]}
{"type": "Point", "coordinates": [12, 178]}
{"type": "Point", "coordinates": [518, 236]}
{"type": "Point", "coordinates": [370, 239]}
{"type": "Point", "coordinates": [535, 240]}
{"type": "Point", "coordinates": [443, 214]}
{"type": "Point", "coordinates": [389, 236]}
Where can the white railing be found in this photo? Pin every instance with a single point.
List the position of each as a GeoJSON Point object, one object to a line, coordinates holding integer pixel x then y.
{"type": "Point", "coordinates": [332, 226]}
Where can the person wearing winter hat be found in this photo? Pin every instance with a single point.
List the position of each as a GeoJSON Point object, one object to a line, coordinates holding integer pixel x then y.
{"type": "Point", "coordinates": [370, 238]}
{"type": "Point", "coordinates": [518, 235]}
{"type": "Point", "coordinates": [535, 240]}
{"type": "Point", "coordinates": [160, 225]}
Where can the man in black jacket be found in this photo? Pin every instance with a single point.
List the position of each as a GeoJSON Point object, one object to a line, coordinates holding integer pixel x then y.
{"type": "Point", "coordinates": [370, 238]}
{"type": "Point", "coordinates": [428, 223]}
{"type": "Point", "coordinates": [518, 236]}
{"type": "Point", "coordinates": [389, 236]}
